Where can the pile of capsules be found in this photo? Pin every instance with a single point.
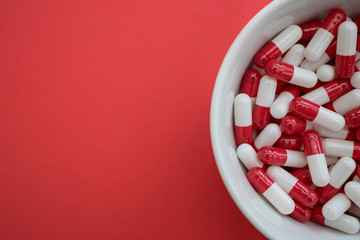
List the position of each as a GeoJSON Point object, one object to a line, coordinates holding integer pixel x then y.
{"type": "Point", "coordinates": [297, 122]}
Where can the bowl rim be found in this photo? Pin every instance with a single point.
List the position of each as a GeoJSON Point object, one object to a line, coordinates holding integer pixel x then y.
{"type": "Point", "coordinates": [215, 114]}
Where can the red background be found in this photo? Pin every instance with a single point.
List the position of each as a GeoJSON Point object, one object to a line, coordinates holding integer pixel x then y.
{"type": "Point", "coordinates": [104, 119]}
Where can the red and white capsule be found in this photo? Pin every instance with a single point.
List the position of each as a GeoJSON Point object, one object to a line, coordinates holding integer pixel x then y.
{"type": "Point", "coordinates": [301, 213]}
{"type": "Point", "coordinates": [295, 55]}
{"type": "Point", "coordinates": [291, 142]}
{"type": "Point", "coordinates": [328, 92]}
{"type": "Point", "coordinates": [342, 148]}
{"type": "Point", "coordinates": [338, 175]}
{"type": "Point", "coordinates": [329, 54]}
{"type": "Point", "coordinates": [250, 84]}
{"type": "Point", "coordinates": [317, 114]}
{"type": "Point", "coordinates": [265, 97]}
{"type": "Point", "coordinates": [295, 125]}
{"type": "Point", "coordinates": [282, 157]}
{"type": "Point", "coordinates": [315, 158]}
{"type": "Point", "coordinates": [296, 189]}
{"type": "Point", "coordinates": [352, 118]}
{"type": "Point", "coordinates": [336, 206]}
{"type": "Point", "coordinates": [248, 156]}
{"type": "Point", "coordinates": [280, 107]}
{"type": "Point", "coordinates": [344, 134]}
{"type": "Point", "coordinates": [243, 120]}
{"type": "Point", "coordinates": [324, 35]}
{"type": "Point", "coordinates": [326, 73]}
{"type": "Point", "coordinates": [345, 103]}
{"type": "Point", "coordinates": [278, 46]}
{"type": "Point", "coordinates": [352, 190]}
{"type": "Point", "coordinates": [346, 50]}
{"type": "Point", "coordinates": [267, 137]}
{"type": "Point", "coordinates": [271, 190]}
{"type": "Point", "coordinates": [289, 73]}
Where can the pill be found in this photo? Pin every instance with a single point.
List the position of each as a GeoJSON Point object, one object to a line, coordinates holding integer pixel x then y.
{"type": "Point", "coordinates": [250, 84]}
{"type": "Point", "coordinates": [282, 157]}
{"type": "Point", "coordinates": [315, 158]}
{"type": "Point", "coordinates": [280, 106]}
{"type": "Point", "coordinates": [324, 35]}
{"type": "Point", "coordinates": [344, 134]}
{"type": "Point", "coordinates": [345, 103]}
{"type": "Point", "coordinates": [338, 175]}
{"type": "Point", "coordinates": [309, 29]}
{"type": "Point", "coordinates": [326, 73]}
{"type": "Point", "coordinates": [352, 190]}
{"type": "Point", "coordinates": [301, 213]}
{"type": "Point", "coordinates": [278, 46]}
{"type": "Point", "coordinates": [342, 148]}
{"type": "Point", "coordinates": [352, 118]}
{"type": "Point", "coordinates": [355, 79]}
{"type": "Point", "coordinates": [317, 114]}
{"type": "Point", "coordinates": [336, 206]}
{"type": "Point", "coordinates": [243, 120]}
{"type": "Point", "coordinates": [295, 55]}
{"type": "Point", "coordinates": [344, 223]}
{"type": "Point", "coordinates": [291, 142]}
{"type": "Point", "coordinates": [329, 54]}
{"type": "Point", "coordinates": [346, 50]}
{"type": "Point", "coordinates": [265, 97]}
{"type": "Point", "coordinates": [290, 73]}
{"type": "Point", "coordinates": [268, 136]}
{"type": "Point", "coordinates": [248, 156]}
{"type": "Point", "coordinates": [296, 189]}
{"type": "Point", "coordinates": [328, 92]}
{"type": "Point", "coordinates": [271, 190]}
{"type": "Point", "coordinates": [295, 125]}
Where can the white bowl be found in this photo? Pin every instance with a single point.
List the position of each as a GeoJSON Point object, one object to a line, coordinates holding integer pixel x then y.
{"type": "Point", "coordinates": [263, 27]}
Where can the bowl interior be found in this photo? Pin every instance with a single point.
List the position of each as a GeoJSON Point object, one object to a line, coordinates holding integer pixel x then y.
{"type": "Point", "coordinates": [263, 27]}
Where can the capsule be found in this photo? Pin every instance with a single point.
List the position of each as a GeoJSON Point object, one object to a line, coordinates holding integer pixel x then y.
{"type": "Point", "coordinates": [248, 156]}
{"type": "Point", "coordinates": [352, 118]}
{"type": "Point", "coordinates": [345, 223]}
{"type": "Point", "coordinates": [336, 206]}
{"type": "Point", "coordinates": [346, 50]}
{"type": "Point", "coordinates": [315, 158]}
{"type": "Point", "coordinates": [326, 73]}
{"type": "Point", "coordinates": [317, 114]}
{"type": "Point", "coordinates": [266, 94]}
{"type": "Point", "coordinates": [344, 134]}
{"type": "Point", "coordinates": [268, 136]}
{"type": "Point", "coordinates": [338, 175]}
{"type": "Point", "coordinates": [290, 73]}
{"type": "Point", "coordinates": [342, 148]}
{"type": "Point", "coordinates": [243, 120]}
{"type": "Point", "coordinates": [329, 54]}
{"type": "Point", "coordinates": [280, 107]}
{"type": "Point", "coordinates": [345, 103]}
{"type": "Point", "coordinates": [309, 29]}
{"type": "Point", "coordinates": [296, 189]}
{"type": "Point", "coordinates": [278, 46]}
{"type": "Point", "coordinates": [295, 125]}
{"type": "Point", "coordinates": [295, 55]}
{"type": "Point", "coordinates": [250, 84]}
{"type": "Point", "coordinates": [355, 79]}
{"type": "Point", "coordinates": [324, 35]}
{"type": "Point", "coordinates": [301, 213]}
{"type": "Point", "coordinates": [271, 190]}
{"type": "Point", "coordinates": [282, 157]}
{"type": "Point", "coordinates": [291, 142]}
{"type": "Point", "coordinates": [328, 92]}
{"type": "Point", "coordinates": [352, 190]}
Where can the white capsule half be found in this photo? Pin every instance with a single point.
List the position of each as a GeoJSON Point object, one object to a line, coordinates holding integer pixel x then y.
{"type": "Point", "coordinates": [318, 169]}
{"type": "Point", "coordinates": [352, 190]}
{"type": "Point", "coordinates": [288, 37]}
{"type": "Point", "coordinates": [248, 156]}
{"type": "Point", "coordinates": [268, 136]}
{"type": "Point", "coordinates": [266, 91]}
{"type": "Point", "coordinates": [341, 171]}
{"type": "Point", "coordinates": [282, 177]}
{"type": "Point", "coordinates": [355, 80]}
{"type": "Point", "coordinates": [295, 55]}
{"type": "Point", "coordinates": [325, 132]}
{"type": "Point", "coordinates": [336, 206]}
{"type": "Point", "coordinates": [338, 147]}
{"type": "Point", "coordinates": [344, 223]}
{"type": "Point", "coordinates": [318, 45]}
{"type": "Point", "coordinates": [326, 73]}
{"type": "Point", "coordinates": [279, 199]}
{"type": "Point", "coordinates": [346, 39]}
{"type": "Point", "coordinates": [280, 107]}
{"type": "Point", "coordinates": [347, 102]}
{"type": "Point", "coordinates": [313, 66]}
{"type": "Point", "coordinates": [318, 96]}
{"type": "Point", "coordinates": [242, 110]}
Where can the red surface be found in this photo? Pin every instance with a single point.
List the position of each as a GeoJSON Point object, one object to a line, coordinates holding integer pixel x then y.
{"type": "Point", "coordinates": [104, 128]}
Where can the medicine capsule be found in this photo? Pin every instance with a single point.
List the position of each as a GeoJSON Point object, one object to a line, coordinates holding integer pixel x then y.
{"type": "Point", "coordinates": [295, 125]}
{"type": "Point", "coordinates": [326, 73]}
{"type": "Point", "coordinates": [250, 84]}
{"type": "Point", "coordinates": [296, 189]}
{"type": "Point", "coordinates": [270, 190]}
{"type": "Point", "coordinates": [338, 175]}
{"type": "Point", "coordinates": [278, 46]}
{"type": "Point", "coordinates": [336, 206]}
{"type": "Point", "coordinates": [352, 118]}
{"type": "Point", "coordinates": [267, 137]}
{"type": "Point", "coordinates": [342, 148]}
{"type": "Point", "coordinates": [291, 142]}
{"type": "Point", "coordinates": [243, 120]}
{"type": "Point", "coordinates": [345, 103]}
{"type": "Point", "coordinates": [329, 54]}
{"type": "Point", "coordinates": [295, 55]}
{"type": "Point", "coordinates": [248, 156]}
{"type": "Point", "coordinates": [355, 79]}
{"type": "Point", "coordinates": [301, 213]}
{"type": "Point", "coordinates": [324, 35]}
{"type": "Point", "coordinates": [265, 97]}
{"type": "Point", "coordinates": [280, 107]}
{"type": "Point", "coordinates": [290, 73]}
{"type": "Point", "coordinates": [328, 92]}
{"type": "Point", "coordinates": [344, 134]}
{"type": "Point", "coordinates": [345, 223]}
{"type": "Point", "coordinates": [352, 190]}
{"type": "Point", "coordinates": [282, 157]}
{"type": "Point", "coordinates": [309, 29]}
{"type": "Point", "coordinates": [346, 50]}
{"type": "Point", "coordinates": [317, 114]}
